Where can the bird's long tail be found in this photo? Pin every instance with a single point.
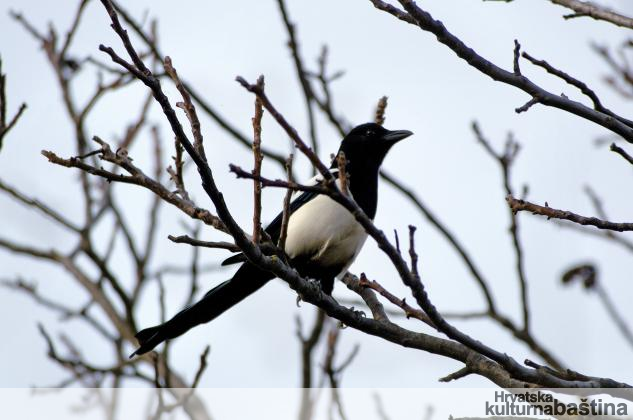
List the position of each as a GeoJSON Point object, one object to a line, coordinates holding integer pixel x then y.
{"type": "Point", "coordinates": [246, 280]}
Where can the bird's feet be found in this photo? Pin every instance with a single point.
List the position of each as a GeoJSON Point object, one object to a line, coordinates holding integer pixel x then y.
{"type": "Point", "coordinates": [314, 286]}
{"type": "Point", "coordinates": [358, 314]}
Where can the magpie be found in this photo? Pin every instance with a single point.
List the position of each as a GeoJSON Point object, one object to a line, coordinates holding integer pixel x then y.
{"type": "Point", "coordinates": [323, 238]}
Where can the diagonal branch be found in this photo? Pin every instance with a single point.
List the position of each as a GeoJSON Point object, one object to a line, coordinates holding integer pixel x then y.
{"type": "Point", "coordinates": [582, 86]}
{"type": "Point", "coordinates": [308, 94]}
{"type": "Point", "coordinates": [409, 311]}
{"type": "Point", "coordinates": [37, 204]}
{"type": "Point", "coordinates": [620, 151]}
{"type": "Point", "coordinates": [422, 19]}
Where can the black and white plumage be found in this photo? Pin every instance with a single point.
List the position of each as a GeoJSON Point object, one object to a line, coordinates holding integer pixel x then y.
{"type": "Point", "coordinates": [323, 237]}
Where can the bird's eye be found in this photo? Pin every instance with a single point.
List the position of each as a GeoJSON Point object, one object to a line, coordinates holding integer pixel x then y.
{"type": "Point", "coordinates": [370, 132]}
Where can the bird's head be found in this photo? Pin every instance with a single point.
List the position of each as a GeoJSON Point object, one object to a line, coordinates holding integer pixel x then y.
{"type": "Point", "coordinates": [367, 145]}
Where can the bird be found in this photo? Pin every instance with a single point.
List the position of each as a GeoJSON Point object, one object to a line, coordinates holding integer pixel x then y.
{"type": "Point", "coordinates": [322, 241]}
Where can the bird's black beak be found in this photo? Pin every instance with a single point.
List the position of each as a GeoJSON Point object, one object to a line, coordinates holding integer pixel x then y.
{"type": "Point", "coordinates": [395, 136]}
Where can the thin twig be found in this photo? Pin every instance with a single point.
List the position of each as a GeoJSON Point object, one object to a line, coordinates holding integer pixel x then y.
{"type": "Point", "coordinates": [285, 215]}
{"type": "Point", "coordinates": [617, 318]}
{"type": "Point", "coordinates": [137, 177]}
{"type": "Point", "coordinates": [582, 86]}
{"type": "Point", "coordinates": [332, 372]}
{"type": "Point", "coordinates": [326, 104]}
{"type": "Point", "coordinates": [380, 409]}
{"type": "Point", "coordinates": [188, 107]}
{"type": "Point", "coordinates": [505, 161]}
{"type": "Point", "coordinates": [292, 133]}
{"type": "Point", "coordinates": [4, 126]}
{"type": "Point", "coordinates": [257, 170]}
{"type": "Point", "coordinates": [37, 204]}
{"type": "Point", "coordinates": [465, 371]}
{"type": "Point", "coordinates": [620, 151]}
{"type": "Point", "coordinates": [585, 8]}
{"type": "Point", "coordinates": [184, 239]}
{"type": "Point", "coordinates": [517, 205]}
{"type": "Point", "coordinates": [408, 310]}
{"type": "Point", "coordinates": [308, 94]}
{"type": "Point", "coordinates": [412, 254]}
{"type": "Point", "coordinates": [449, 236]}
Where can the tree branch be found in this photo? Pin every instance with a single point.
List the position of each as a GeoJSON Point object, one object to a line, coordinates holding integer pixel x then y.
{"type": "Point", "coordinates": [584, 8]}
{"type": "Point", "coordinates": [422, 19]}
{"type": "Point", "coordinates": [517, 205]}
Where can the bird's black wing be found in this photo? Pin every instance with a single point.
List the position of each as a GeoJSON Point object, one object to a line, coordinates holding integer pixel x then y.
{"type": "Point", "coordinates": [274, 228]}
{"type": "Point", "coordinates": [246, 280]}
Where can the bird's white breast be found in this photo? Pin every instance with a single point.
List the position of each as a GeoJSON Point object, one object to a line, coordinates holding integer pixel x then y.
{"type": "Point", "coordinates": [325, 229]}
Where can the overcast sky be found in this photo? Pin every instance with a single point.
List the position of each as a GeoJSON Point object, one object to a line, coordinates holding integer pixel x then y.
{"type": "Point", "coordinates": [431, 92]}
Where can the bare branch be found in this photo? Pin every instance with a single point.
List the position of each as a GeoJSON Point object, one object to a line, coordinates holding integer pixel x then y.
{"type": "Point", "coordinates": [18, 17]}
{"type": "Point", "coordinates": [505, 161]}
{"type": "Point", "coordinates": [308, 94]}
{"type": "Point", "coordinates": [587, 274]}
{"type": "Point", "coordinates": [188, 107]}
{"type": "Point", "coordinates": [369, 297]}
{"type": "Point", "coordinates": [332, 372]}
{"type": "Point", "coordinates": [73, 28]}
{"type": "Point", "coordinates": [409, 311]}
{"type": "Point", "coordinates": [517, 205]}
{"type": "Point", "coordinates": [176, 175]}
{"type": "Point", "coordinates": [37, 204]}
{"type": "Point", "coordinates": [326, 104]}
{"type": "Point", "coordinates": [4, 126]}
{"type": "Point", "coordinates": [616, 316]}
{"type": "Point", "coordinates": [620, 151]}
{"type": "Point", "coordinates": [204, 105]}
{"type": "Point", "coordinates": [184, 239]}
{"type": "Point", "coordinates": [449, 236]}
{"type": "Point", "coordinates": [585, 8]}
{"type": "Point", "coordinates": [412, 254]}
{"type": "Point", "coordinates": [65, 312]}
{"type": "Point", "coordinates": [292, 133]}
{"type": "Point", "coordinates": [307, 346]}
{"type": "Point", "coordinates": [137, 177]}
{"type": "Point", "coordinates": [582, 86]}
{"type": "Point", "coordinates": [380, 409]}
{"type": "Point", "coordinates": [257, 170]}
{"type": "Point", "coordinates": [422, 19]}
{"type": "Point", "coordinates": [465, 371]}
{"type": "Point", "coordinates": [184, 398]}
{"type": "Point", "coordinates": [517, 55]}
{"type": "Point", "coordinates": [152, 227]}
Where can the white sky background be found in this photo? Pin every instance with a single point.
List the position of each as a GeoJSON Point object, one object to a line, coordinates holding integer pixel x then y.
{"type": "Point", "coordinates": [431, 92]}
